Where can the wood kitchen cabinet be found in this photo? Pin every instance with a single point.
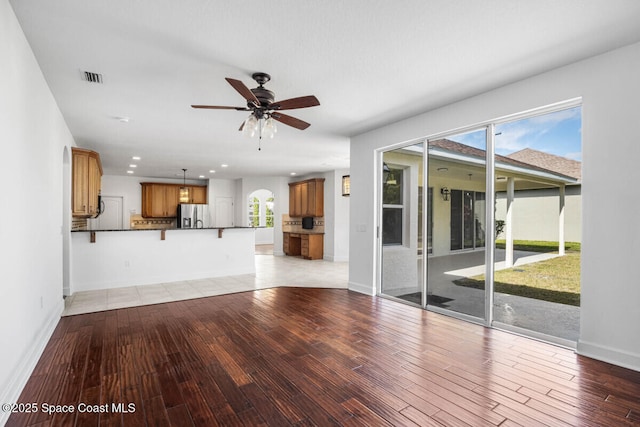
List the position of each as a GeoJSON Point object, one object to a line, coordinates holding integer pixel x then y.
{"type": "Point", "coordinates": [306, 198]}
{"type": "Point", "coordinates": [311, 246]}
{"type": "Point", "coordinates": [160, 200]}
{"type": "Point", "coordinates": [307, 245]}
{"type": "Point", "coordinates": [198, 193]}
{"type": "Point", "coordinates": [86, 182]}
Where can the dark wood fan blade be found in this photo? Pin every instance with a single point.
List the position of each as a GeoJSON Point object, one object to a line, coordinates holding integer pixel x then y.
{"type": "Point", "coordinates": [243, 90]}
{"type": "Point", "coordinates": [241, 127]}
{"type": "Point", "coordinates": [220, 107]}
{"type": "Point", "coordinates": [290, 121]}
{"type": "Point", "coordinates": [300, 102]}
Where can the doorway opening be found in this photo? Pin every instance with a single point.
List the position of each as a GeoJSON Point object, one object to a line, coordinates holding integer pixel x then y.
{"type": "Point", "coordinates": [260, 214]}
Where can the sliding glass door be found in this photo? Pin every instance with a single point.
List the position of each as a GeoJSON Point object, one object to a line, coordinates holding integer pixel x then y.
{"type": "Point", "coordinates": [457, 173]}
{"type": "Point", "coordinates": [401, 223]}
{"type": "Point", "coordinates": [485, 224]}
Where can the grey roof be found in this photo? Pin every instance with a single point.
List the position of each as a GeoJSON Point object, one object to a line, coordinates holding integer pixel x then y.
{"type": "Point", "coordinates": [563, 165]}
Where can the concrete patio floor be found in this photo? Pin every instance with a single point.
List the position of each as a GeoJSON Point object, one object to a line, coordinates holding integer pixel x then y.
{"type": "Point", "coordinates": [543, 317]}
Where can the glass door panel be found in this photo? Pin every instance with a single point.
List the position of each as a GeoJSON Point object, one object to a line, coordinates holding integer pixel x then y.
{"type": "Point", "coordinates": [537, 271]}
{"type": "Point", "coordinates": [457, 174]}
{"type": "Point", "coordinates": [401, 223]}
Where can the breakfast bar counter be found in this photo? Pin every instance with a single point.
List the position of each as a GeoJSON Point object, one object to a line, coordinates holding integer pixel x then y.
{"type": "Point", "coordinates": [105, 259]}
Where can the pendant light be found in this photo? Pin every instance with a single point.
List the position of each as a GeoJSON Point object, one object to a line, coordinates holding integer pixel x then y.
{"type": "Point", "coordinates": [183, 196]}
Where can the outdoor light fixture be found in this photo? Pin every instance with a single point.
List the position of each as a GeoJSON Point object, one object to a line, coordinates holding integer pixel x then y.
{"type": "Point", "coordinates": [445, 192]}
{"type": "Point", "coordinates": [183, 195]}
{"type": "Point", "coordinates": [346, 185]}
{"type": "Point", "coordinates": [387, 176]}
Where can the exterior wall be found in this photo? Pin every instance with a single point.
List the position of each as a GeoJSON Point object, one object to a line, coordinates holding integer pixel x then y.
{"type": "Point", "coordinates": [609, 89]}
{"type": "Point", "coordinates": [442, 211]}
{"type": "Point", "coordinates": [536, 214]}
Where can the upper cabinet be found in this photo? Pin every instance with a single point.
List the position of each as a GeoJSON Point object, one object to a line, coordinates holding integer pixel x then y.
{"type": "Point", "coordinates": [198, 193]}
{"type": "Point", "coordinates": [86, 180]}
{"type": "Point", "coordinates": [306, 198]}
{"type": "Point", "coordinates": [161, 200]}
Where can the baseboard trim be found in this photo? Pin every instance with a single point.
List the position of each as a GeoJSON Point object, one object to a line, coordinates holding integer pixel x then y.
{"type": "Point", "coordinates": [23, 371]}
{"type": "Point", "coordinates": [363, 289]}
{"type": "Point", "coordinates": [609, 355]}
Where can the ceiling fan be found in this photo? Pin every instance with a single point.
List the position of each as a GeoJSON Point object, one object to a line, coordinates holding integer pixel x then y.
{"type": "Point", "coordinates": [261, 102]}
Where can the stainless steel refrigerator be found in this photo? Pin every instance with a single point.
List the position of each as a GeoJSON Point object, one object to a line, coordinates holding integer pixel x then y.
{"type": "Point", "coordinates": [193, 216]}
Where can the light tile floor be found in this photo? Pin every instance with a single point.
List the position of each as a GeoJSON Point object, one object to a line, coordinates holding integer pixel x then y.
{"type": "Point", "coordinates": [271, 271]}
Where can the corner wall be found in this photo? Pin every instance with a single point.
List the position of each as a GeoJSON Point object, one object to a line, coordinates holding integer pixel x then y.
{"type": "Point", "coordinates": [336, 217]}
{"type": "Point", "coordinates": [610, 91]}
{"type": "Point", "coordinates": [34, 136]}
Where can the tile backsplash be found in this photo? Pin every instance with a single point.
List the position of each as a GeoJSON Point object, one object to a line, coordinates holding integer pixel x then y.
{"type": "Point", "coordinates": [294, 225]}
{"type": "Point", "coordinates": [138, 222]}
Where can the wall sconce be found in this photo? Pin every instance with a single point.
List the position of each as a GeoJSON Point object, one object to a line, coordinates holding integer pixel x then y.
{"type": "Point", "coordinates": [346, 185]}
{"type": "Point", "coordinates": [445, 193]}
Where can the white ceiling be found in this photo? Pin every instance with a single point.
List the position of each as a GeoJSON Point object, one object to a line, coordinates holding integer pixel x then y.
{"type": "Point", "coordinates": [369, 62]}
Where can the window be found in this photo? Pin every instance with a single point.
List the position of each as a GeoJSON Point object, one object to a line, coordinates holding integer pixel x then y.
{"type": "Point", "coordinates": [254, 212]}
{"type": "Point", "coordinates": [392, 207]}
{"type": "Point", "coordinates": [260, 209]}
{"type": "Point", "coordinates": [269, 212]}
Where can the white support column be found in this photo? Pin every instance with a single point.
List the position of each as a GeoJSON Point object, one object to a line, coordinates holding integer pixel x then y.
{"type": "Point", "coordinates": [508, 256]}
{"type": "Point", "coordinates": [561, 192]}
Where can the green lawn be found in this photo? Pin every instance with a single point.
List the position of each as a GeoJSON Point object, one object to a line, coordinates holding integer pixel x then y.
{"type": "Point", "coordinates": [555, 280]}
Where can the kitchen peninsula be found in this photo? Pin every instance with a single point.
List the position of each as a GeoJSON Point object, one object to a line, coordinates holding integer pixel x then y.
{"type": "Point", "coordinates": [105, 259]}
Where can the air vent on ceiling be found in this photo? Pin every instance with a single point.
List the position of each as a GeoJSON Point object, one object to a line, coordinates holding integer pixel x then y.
{"type": "Point", "coordinates": [92, 77]}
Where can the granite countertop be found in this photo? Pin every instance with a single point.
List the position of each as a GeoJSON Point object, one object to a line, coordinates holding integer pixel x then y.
{"type": "Point", "coordinates": [304, 232]}
{"type": "Point", "coordinates": [160, 229]}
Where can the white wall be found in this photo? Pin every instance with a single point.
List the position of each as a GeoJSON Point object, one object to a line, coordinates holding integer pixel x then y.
{"type": "Point", "coordinates": [610, 91]}
{"type": "Point", "coordinates": [33, 136]}
{"type": "Point", "coordinates": [336, 217]}
{"type": "Point", "coordinates": [131, 258]}
{"type": "Point", "coordinates": [129, 188]}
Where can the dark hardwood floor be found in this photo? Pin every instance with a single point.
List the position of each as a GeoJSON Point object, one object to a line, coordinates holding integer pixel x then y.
{"type": "Point", "coordinates": [293, 356]}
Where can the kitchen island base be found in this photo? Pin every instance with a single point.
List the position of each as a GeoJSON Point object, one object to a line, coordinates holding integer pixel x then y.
{"type": "Point", "coordinates": [140, 257]}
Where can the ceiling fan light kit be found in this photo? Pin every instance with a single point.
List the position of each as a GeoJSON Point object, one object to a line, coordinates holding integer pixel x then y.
{"type": "Point", "coordinates": [264, 109]}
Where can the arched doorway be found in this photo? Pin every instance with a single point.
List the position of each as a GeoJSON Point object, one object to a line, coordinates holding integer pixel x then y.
{"type": "Point", "coordinates": [260, 215]}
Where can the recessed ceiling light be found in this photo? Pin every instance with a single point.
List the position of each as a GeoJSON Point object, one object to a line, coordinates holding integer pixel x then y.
{"type": "Point", "coordinates": [212, 171]}
{"type": "Point", "coordinates": [201, 176]}
{"type": "Point", "coordinates": [292, 173]}
{"type": "Point", "coordinates": [123, 119]}
{"type": "Point", "coordinates": [224, 166]}
{"type": "Point", "coordinates": [133, 166]}
{"type": "Point", "coordinates": [135, 158]}
{"type": "Point", "coordinates": [129, 171]}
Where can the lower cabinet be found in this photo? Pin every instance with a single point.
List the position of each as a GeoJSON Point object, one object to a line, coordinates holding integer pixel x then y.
{"type": "Point", "coordinates": [309, 246]}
